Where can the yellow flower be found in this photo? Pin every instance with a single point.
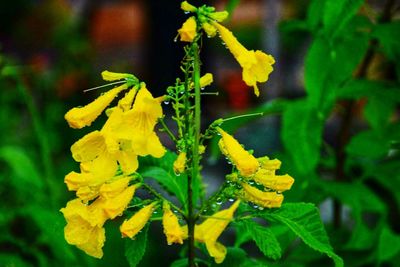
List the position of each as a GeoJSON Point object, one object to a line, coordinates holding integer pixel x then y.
{"type": "Point", "coordinates": [172, 230]}
{"type": "Point", "coordinates": [209, 231]}
{"type": "Point", "coordinates": [185, 6]}
{"type": "Point", "coordinates": [78, 118]}
{"type": "Point", "coordinates": [180, 163]}
{"type": "Point", "coordinates": [206, 80]}
{"type": "Point", "coordinates": [139, 122]}
{"type": "Point", "coordinates": [210, 30]}
{"type": "Point", "coordinates": [126, 102]}
{"type": "Point", "coordinates": [256, 64]}
{"type": "Point", "coordinates": [131, 227]}
{"type": "Point", "coordinates": [219, 16]}
{"type": "Point", "coordinates": [188, 30]}
{"type": "Point", "coordinates": [262, 199]}
{"type": "Point", "coordinates": [246, 163]}
{"type": "Point", "coordinates": [267, 177]}
{"type": "Point", "coordinates": [79, 230]}
{"type": "Point", "coordinates": [115, 76]}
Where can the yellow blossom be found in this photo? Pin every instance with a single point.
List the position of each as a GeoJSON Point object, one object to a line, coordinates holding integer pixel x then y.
{"type": "Point", "coordinates": [114, 188]}
{"type": "Point", "coordinates": [172, 230]}
{"type": "Point", "coordinates": [185, 6]}
{"type": "Point", "coordinates": [188, 30]}
{"type": "Point", "coordinates": [78, 118]}
{"type": "Point", "coordinates": [114, 207]}
{"type": "Point", "coordinates": [206, 80]}
{"type": "Point", "coordinates": [275, 182]}
{"type": "Point", "coordinates": [180, 163]}
{"type": "Point", "coordinates": [210, 30]}
{"type": "Point", "coordinates": [219, 16]}
{"type": "Point", "coordinates": [131, 227]}
{"type": "Point", "coordinates": [246, 163]}
{"type": "Point", "coordinates": [256, 64]}
{"type": "Point", "coordinates": [79, 230]}
{"type": "Point", "coordinates": [262, 199]}
{"type": "Point", "coordinates": [209, 231]}
{"type": "Point", "coordinates": [115, 76]}
{"type": "Point", "coordinates": [126, 102]}
{"type": "Point", "coordinates": [139, 122]}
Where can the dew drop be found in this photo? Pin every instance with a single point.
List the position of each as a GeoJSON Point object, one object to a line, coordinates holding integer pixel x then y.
{"type": "Point", "coordinates": [166, 102]}
{"type": "Point", "coordinates": [186, 12]}
{"type": "Point", "coordinates": [202, 88]}
{"type": "Point", "coordinates": [251, 182]}
{"type": "Point", "coordinates": [175, 211]}
{"type": "Point", "coordinates": [255, 206]}
{"type": "Point", "coordinates": [219, 201]}
{"type": "Point", "coordinates": [231, 199]}
{"type": "Point", "coordinates": [261, 208]}
{"type": "Point", "coordinates": [155, 212]}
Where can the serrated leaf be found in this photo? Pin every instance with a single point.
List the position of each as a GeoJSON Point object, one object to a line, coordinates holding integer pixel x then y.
{"type": "Point", "coordinates": [135, 249]}
{"type": "Point", "coordinates": [176, 185]}
{"type": "Point", "coordinates": [161, 170]}
{"type": "Point", "coordinates": [301, 135]}
{"type": "Point", "coordinates": [264, 239]}
{"type": "Point", "coordinates": [304, 220]}
{"type": "Point", "coordinates": [388, 245]}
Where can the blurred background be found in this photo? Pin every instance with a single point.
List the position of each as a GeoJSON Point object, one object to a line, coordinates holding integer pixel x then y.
{"type": "Point", "coordinates": [331, 114]}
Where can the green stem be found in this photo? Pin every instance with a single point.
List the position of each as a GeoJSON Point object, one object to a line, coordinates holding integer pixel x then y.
{"type": "Point", "coordinates": [195, 152]}
{"type": "Point", "coordinates": [167, 130]}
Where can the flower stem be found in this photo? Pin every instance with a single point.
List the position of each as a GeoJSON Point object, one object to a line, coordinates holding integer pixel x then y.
{"type": "Point", "coordinates": [167, 130]}
{"type": "Point", "coordinates": [195, 151]}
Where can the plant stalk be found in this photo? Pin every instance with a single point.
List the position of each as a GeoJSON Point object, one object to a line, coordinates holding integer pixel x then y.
{"type": "Point", "coordinates": [195, 152]}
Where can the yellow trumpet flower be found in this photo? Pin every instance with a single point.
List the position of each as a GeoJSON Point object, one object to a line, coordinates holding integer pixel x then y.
{"type": "Point", "coordinates": [172, 230]}
{"type": "Point", "coordinates": [188, 30]}
{"type": "Point", "coordinates": [135, 224]}
{"type": "Point", "coordinates": [256, 64]}
{"type": "Point", "coordinates": [246, 163]}
{"type": "Point", "coordinates": [262, 199]}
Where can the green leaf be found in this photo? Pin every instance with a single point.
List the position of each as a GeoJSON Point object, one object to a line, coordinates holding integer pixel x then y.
{"type": "Point", "coordinates": [161, 170]}
{"type": "Point", "coordinates": [304, 220]}
{"type": "Point", "coordinates": [337, 13]}
{"type": "Point", "coordinates": [388, 245]}
{"type": "Point", "coordinates": [135, 249]}
{"type": "Point", "coordinates": [378, 112]}
{"type": "Point", "coordinates": [368, 144]}
{"type": "Point", "coordinates": [176, 185]}
{"type": "Point", "coordinates": [264, 239]}
{"type": "Point", "coordinates": [180, 263]}
{"type": "Point", "coordinates": [26, 179]}
{"type": "Point", "coordinates": [356, 195]}
{"type": "Point", "coordinates": [301, 135]}
{"type": "Point", "coordinates": [314, 14]}
{"type": "Point", "coordinates": [385, 34]}
{"type": "Point", "coordinates": [355, 89]}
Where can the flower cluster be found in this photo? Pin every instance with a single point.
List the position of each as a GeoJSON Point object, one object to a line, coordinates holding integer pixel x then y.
{"type": "Point", "coordinates": [256, 65]}
{"type": "Point", "coordinates": [108, 158]}
{"type": "Point", "coordinates": [258, 171]}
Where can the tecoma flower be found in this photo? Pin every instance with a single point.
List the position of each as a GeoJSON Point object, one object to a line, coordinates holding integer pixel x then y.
{"type": "Point", "coordinates": [261, 198]}
{"type": "Point", "coordinates": [180, 163]}
{"type": "Point", "coordinates": [246, 163]}
{"type": "Point", "coordinates": [139, 122]}
{"type": "Point", "coordinates": [78, 118]}
{"type": "Point", "coordinates": [267, 177]}
{"type": "Point", "coordinates": [131, 227]}
{"type": "Point", "coordinates": [172, 230]}
{"type": "Point", "coordinates": [188, 30]}
{"type": "Point", "coordinates": [209, 231]}
{"type": "Point", "coordinates": [79, 230]}
{"type": "Point", "coordinates": [256, 64]}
